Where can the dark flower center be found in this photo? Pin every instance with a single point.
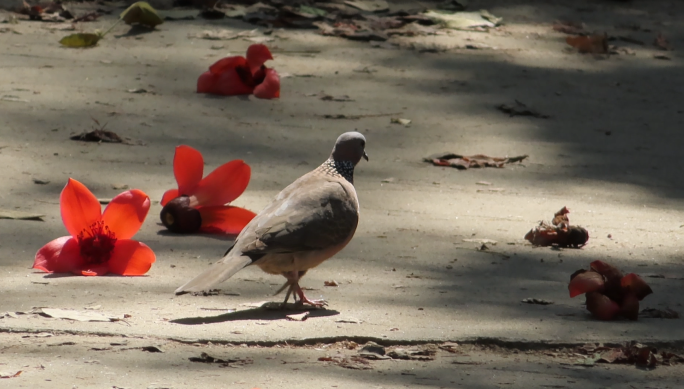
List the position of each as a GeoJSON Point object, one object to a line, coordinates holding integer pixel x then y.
{"type": "Point", "coordinates": [251, 80]}
{"type": "Point", "coordinates": [179, 217]}
{"type": "Point", "coordinates": [96, 243]}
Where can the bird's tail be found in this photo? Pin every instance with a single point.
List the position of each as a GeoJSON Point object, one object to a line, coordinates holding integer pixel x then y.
{"type": "Point", "coordinates": [217, 273]}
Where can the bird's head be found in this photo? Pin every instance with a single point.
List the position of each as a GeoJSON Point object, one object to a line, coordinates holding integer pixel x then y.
{"type": "Point", "coordinates": [350, 146]}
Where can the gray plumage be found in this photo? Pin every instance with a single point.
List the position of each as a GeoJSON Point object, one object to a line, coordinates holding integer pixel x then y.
{"type": "Point", "coordinates": [308, 222]}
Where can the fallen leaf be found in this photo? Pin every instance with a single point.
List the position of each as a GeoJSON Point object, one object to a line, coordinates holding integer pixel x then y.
{"type": "Point", "coordinates": [80, 40]}
{"type": "Point", "coordinates": [298, 317]}
{"type": "Point", "coordinates": [15, 99]}
{"type": "Point", "coordinates": [473, 161]}
{"type": "Point", "coordinates": [481, 241]}
{"type": "Point", "coordinates": [137, 90]}
{"type": "Point", "coordinates": [463, 20]}
{"type": "Point", "coordinates": [206, 358]}
{"type": "Point", "coordinates": [331, 283]}
{"type": "Point", "coordinates": [404, 122]}
{"type": "Point", "coordinates": [661, 56]}
{"type": "Point", "coordinates": [151, 349]}
{"type": "Point", "coordinates": [349, 320]}
{"type": "Point", "coordinates": [595, 44]}
{"type": "Point", "coordinates": [221, 34]}
{"type": "Point", "coordinates": [78, 316]}
{"type": "Point", "coordinates": [18, 215]}
{"type": "Point", "coordinates": [536, 301]}
{"type": "Point", "coordinates": [40, 182]}
{"type": "Point", "coordinates": [10, 375]}
{"type": "Point", "coordinates": [520, 109]}
{"type": "Point", "coordinates": [141, 13]}
{"type": "Point", "coordinates": [98, 136]}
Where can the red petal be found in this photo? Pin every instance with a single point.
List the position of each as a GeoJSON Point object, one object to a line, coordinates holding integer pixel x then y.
{"type": "Point", "coordinates": [257, 55]}
{"type": "Point", "coordinates": [270, 87]}
{"type": "Point", "coordinates": [168, 196]}
{"type": "Point", "coordinates": [61, 255]}
{"type": "Point", "coordinates": [630, 307]}
{"type": "Point", "coordinates": [225, 219]}
{"type": "Point", "coordinates": [131, 258]}
{"type": "Point", "coordinates": [224, 184]}
{"type": "Point", "coordinates": [229, 83]}
{"type": "Point", "coordinates": [586, 282]}
{"type": "Point", "coordinates": [227, 63]}
{"type": "Point", "coordinates": [633, 284]}
{"type": "Point", "coordinates": [188, 168]}
{"type": "Point", "coordinates": [601, 306]}
{"type": "Point", "coordinates": [79, 207]}
{"type": "Point", "coordinates": [206, 83]}
{"type": "Point", "coordinates": [126, 213]}
{"type": "Point", "coordinates": [95, 270]}
{"type": "Point", "coordinates": [607, 270]}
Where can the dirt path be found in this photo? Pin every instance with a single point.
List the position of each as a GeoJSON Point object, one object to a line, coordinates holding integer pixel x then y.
{"type": "Point", "coordinates": [610, 151]}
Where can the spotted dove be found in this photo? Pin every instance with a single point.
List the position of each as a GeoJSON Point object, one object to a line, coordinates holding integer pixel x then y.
{"type": "Point", "coordinates": [308, 222]}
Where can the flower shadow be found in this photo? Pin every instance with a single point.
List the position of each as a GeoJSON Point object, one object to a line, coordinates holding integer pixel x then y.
{"type": "Point", "coordinates": [268, 311]}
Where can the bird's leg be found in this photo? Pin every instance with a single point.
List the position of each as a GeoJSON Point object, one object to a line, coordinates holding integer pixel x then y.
{"type": "Point", "coordinates": [303, 300]}
{"type": "Point", "coordinates": [292, 278]}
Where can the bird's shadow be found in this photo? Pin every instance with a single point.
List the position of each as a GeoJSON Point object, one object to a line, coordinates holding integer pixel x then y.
{"type": "Point", "coordinates": [268, 311]}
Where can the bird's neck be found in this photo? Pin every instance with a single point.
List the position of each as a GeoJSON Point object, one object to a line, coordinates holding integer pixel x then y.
{"type": "Point", "coordinates": [334, 167]}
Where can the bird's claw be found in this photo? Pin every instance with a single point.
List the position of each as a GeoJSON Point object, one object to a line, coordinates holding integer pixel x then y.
{"type": "Point", "coordinates": [315, 303]}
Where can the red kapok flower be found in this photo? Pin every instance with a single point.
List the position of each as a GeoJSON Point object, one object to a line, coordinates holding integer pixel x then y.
{"type": "Point", "coordinates": [609, 294]}
{"type": "Point", "coordinates": [100, 242]}
{"type": "Point", "coordinates": [201, 204]}
{"type": "Point", "coordinates": [238, 75]}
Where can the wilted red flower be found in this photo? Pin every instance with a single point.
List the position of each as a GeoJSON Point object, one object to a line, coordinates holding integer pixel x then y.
{"type": "Point", "coordinates": [100, 242]}
{"type": "Point", "coordinates": [609, 293]}
{"type": "Point", "coordinates": [242, 76]}
{"type": "Point", "coordinates": [200, 204]}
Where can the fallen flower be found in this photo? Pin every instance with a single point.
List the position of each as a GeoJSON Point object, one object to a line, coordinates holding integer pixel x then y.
{"type": "Point", "coordinates": [201, 204]}
{"type": "Point", "coordinates": [238, 75]}
{"type": "Point", "coordinates": [99, 242]}
{"type": "Point", "coordinates": [609, 294]}
{"type": "Point", "coordinates": [559, 232]}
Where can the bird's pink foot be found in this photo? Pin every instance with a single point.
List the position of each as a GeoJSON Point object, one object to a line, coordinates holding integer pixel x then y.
{"type": "Point", "coordinates": [304, 300]}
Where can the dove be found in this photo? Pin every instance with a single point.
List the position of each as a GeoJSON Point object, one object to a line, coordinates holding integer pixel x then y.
{"type": "Point", "coordinates": [308, 222]}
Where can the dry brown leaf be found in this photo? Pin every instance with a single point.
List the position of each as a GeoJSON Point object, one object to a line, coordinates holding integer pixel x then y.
{"type": "Point", "coordinates": [595, 44]}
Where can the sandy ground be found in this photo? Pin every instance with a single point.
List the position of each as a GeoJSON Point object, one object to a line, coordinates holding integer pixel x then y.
{"type": "Point", "coordinates": [610, 152]}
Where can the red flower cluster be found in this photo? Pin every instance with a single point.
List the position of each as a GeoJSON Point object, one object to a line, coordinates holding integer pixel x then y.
{"type": "Point", "coordinates": [200, 204]}
{"type": "Point", "coordinates": [242, 76]}
{"type": "Point", "coordinates": [100, 242]}
{"type": "Point", "coordinates": [609, 293]}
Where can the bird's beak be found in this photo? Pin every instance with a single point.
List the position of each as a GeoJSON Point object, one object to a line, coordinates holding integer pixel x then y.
{"type": "Point", "coordinates": [365, 156]}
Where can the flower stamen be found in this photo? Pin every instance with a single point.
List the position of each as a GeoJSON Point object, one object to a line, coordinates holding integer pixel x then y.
{"type": "Point", "coordinates": [96, 243]}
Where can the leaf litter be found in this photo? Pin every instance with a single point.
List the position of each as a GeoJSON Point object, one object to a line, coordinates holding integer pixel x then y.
{"type": "Point", "coordinates": [237, 362]}
{"type": "Point", "coordinates": [363, 20]}
{"type": "Point", "coordinates": [632, 353]}
{"type": "Point", "coordinates": [463, 162]}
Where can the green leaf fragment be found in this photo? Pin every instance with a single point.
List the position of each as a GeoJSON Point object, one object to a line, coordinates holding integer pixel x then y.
{"type": "Point", "coordinates": [141, 13]}
{"type": "Point", "coordinates": [80, 40]}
